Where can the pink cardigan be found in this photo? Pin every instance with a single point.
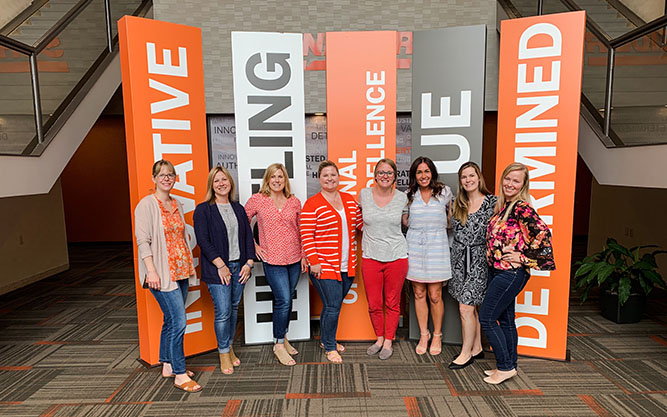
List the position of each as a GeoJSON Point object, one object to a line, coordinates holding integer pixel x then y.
{"type": "Point", "coordinates": [149, 233]}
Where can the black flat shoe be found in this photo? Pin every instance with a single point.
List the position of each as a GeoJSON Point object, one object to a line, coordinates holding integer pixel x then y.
{"type": "Point", "coordinates": [480, 355]}
{"type": "Point", "coordinates": [455, 366]}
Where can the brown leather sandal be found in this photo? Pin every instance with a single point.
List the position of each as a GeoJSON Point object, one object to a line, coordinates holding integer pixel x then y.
{"type": "Point", "coordinates": [334, 357]}
{"type": "Point", "coordinates": [189, 386]}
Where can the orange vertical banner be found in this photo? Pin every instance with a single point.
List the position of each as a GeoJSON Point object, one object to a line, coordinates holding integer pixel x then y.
{"type": "Point", "coordinates": [361, 130]}
{"type": "Point", "coordinates": [538, 125]}
{"type": "Point", "coordinates": [165, 118]}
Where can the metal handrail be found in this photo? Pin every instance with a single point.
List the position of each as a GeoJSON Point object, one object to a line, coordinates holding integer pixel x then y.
{"type": "Point", "coordinates": [31, 51]}
{"type": "Point", "coordinates": [26, 14]}
{"type": "Point", "coordinates": [61, 24]}
{"type": "Point", "coordinates": [640, 32]}
{"type": "Point", "coordinates": [17, 46]}
{"type": "Point", "coordinates": [612, 45]}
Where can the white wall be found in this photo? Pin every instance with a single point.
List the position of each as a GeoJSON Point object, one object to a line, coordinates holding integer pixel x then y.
{"type": "Point", "coordinates": [11, 8]}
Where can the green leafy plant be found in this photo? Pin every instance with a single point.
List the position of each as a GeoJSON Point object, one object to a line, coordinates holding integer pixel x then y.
{"type": "Point", "coordinates": [619, 269]}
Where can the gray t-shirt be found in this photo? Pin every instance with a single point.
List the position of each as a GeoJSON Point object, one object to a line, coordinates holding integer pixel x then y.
{"type": "Point", "coordinates": [383, 238]}
{"type": "Point", "coordinates": [232, 225]}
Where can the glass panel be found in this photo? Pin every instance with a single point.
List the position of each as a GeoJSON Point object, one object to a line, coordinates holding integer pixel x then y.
{"type": "Point", "coordinates": [607, 17]}
{"type": "Point", "coordinates": [69, 56]}
{"type": "Point", "coordinates": [120, 8]}
{"type": "Point", "coordinates": [639, 115]}
{"type": "Point", "coordinates": [17, 120]}
{"type": "Point", "coordinates": [553, 6]}
{"type": "Point", "coordinates": [596, 56]}
{"type": "Point", "coordinates": [525, 7]}
{"type": "Point", "coordinates": [30, 31]}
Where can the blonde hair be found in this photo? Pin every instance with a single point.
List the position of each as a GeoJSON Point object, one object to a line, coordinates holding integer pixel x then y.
{"type": "Point", "coordinates": [210, 193]}
{"type": "Point", "coordinates": [462, 201]}
{"type": "Point", "coordinates": [523, 195]}
{"type": "Point", "coordinates": [157, 167]}
{"type": "Point", "coordinates": [270, 170]}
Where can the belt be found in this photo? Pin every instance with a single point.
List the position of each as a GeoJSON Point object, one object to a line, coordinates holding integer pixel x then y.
{"type": "Point", "coordinates": [468, 255]}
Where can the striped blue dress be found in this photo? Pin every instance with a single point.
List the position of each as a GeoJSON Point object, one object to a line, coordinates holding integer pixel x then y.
{"type": "Point", "coordinates": [428, 247]}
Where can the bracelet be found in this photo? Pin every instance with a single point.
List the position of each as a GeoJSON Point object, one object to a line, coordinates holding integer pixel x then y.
{"type": "Point", "coordinates": [250, 266]}
{"type": "Point", "coordinates": [224, 266]}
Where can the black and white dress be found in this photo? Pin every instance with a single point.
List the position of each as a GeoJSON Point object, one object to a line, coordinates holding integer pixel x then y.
{"type": "Point", "coordinates": [468, 255]}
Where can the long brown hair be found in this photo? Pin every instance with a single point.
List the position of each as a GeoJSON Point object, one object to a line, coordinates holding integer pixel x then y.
{"type": "Point", "coordinates": [210, 192]}
{"type": "Point", "coordinates": [462, 201]}
{"type": "Point", "coordinates": [435, 185]}
{"type": "Point", "coordinates": [523, 195]}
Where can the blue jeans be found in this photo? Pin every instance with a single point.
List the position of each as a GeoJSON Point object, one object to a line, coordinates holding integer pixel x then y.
{"type": "Point", "coordinates": [226, 299]}
{"type": "Point", "coordinates": [332, 293]}
{"type": "Point", "coordinates": [282, 280]}
{"type": "Point", "coordinates": [496, 315]}
{"type": "Point", "coordinates": [172, 304]}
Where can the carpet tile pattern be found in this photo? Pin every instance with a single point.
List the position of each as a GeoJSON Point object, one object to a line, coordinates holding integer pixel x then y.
{"type": "Point", "coordinates": [69, 348]}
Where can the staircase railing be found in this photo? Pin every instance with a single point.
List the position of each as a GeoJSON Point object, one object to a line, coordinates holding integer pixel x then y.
{"type": "Point", "coordinates": [41, 63]}
{"type": "Point", "coordinates": [651, 36]}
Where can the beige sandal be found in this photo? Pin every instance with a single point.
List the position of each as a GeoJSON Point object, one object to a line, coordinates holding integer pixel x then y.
{"type": "Point", "coordinates": [289, 348]}
{"type": "Point", "coordinates": [226, 366]}
{"type": "Point", "coordinates": [283, 357]}
{"type": "Point", "coordinates": [235, 360]}
{"type": "Point", "coordinates": [437, 351]}
{"type": "Point", "coordinates": [340, 348]}
{"type": "Point", "coordinates": [421, 350]}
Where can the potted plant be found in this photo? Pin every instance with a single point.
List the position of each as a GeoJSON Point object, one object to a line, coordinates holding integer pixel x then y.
{"type": "Point", "coordinates": [624, 276]}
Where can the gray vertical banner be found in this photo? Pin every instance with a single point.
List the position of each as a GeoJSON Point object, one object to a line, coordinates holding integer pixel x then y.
{"type": "Point", "coordinates": [448, 97]}
{"type": "Point", "coordinates": [448, 70]}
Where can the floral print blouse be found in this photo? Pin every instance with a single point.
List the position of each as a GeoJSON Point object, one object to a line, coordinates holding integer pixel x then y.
{"type": "Point", "coordinates": [181, 265]}
{"type": "Point", "coordinates": [525, 232]}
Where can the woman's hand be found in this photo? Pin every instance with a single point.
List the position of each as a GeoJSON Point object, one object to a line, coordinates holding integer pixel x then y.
{"type": "Point", "coordinates": [316, 270]}
{"type": "Point", "coordinates": [153, 280]}
{"type": "Point", "coordinates": [513, 257]}
{"type": "Point", "coordinates": [225, 275]}
{"type": "Point", "coordinates": [261, 253]}
{"type": "Point", "coordinates": [245, 273]}
{"type": "Point", "coordinates": [304, 265]}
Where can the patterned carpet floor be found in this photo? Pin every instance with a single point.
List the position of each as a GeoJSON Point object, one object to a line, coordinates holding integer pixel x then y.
{"type": "Point", "coordinates": [69, 347]}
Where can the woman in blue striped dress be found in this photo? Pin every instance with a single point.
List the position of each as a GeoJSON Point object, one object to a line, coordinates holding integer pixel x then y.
{"type": "Point", "coordinates": [428, 248]}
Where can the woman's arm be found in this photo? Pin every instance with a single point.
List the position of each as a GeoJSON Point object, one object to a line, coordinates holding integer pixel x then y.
{"type": "Point", "coordinates": [539, 252]}
{"type": "Point", "coordinates": [143, 235]}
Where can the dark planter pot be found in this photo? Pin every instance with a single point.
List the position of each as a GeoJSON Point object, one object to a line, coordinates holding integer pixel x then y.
{"type": "Point", "coordinates": [631, 312]}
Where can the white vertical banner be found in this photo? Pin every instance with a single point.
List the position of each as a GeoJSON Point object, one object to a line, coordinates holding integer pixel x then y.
{"type": "Point", "coordinates": [270, 127]}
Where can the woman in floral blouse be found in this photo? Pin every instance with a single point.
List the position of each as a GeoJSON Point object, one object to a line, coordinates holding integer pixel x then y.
{"type": "Point", "coordinates": [165, 267]}
{"type": "Point", "coordinates": [517, 240]}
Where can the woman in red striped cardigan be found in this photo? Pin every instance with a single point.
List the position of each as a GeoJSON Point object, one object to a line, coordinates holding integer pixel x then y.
{"type": "Point", "coordinates": [329, 220]}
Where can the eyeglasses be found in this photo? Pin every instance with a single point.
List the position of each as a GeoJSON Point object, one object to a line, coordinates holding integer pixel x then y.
{"type": "Point", "coordinates": [167, 176]}
{"type": "Point", "coordinates": [385, 173]}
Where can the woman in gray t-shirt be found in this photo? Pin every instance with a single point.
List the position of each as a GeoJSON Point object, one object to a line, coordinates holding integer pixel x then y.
{"type": "Point", "coordinates": [384, 254]}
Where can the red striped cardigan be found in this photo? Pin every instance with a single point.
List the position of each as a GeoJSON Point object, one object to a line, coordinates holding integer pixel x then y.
{"type": "Point", "coordinates": [320, 228]}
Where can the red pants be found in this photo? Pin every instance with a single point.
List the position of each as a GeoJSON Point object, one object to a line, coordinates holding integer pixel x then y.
{"type": "Point", "coordinates": [384, 282]}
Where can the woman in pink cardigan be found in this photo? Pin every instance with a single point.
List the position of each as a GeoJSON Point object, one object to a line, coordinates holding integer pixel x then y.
{"type": "Point", "coordinates": [165, 267]}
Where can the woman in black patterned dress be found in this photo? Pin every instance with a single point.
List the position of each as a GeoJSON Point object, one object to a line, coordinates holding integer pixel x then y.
{"type": "Point", "coordinates": [470, 216]}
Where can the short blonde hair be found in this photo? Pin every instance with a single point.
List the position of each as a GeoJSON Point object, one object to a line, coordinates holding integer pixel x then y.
{"type": "Point", "coordinates": [157, 167]}
{"type": "Point", "coordinates": [210, 193]}
{"type": "Point", "coordinates": [270, 170]}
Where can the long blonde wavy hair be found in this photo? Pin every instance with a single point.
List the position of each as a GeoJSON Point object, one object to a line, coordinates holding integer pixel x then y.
{"type": "Point", "coordinates": [523, 195]}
